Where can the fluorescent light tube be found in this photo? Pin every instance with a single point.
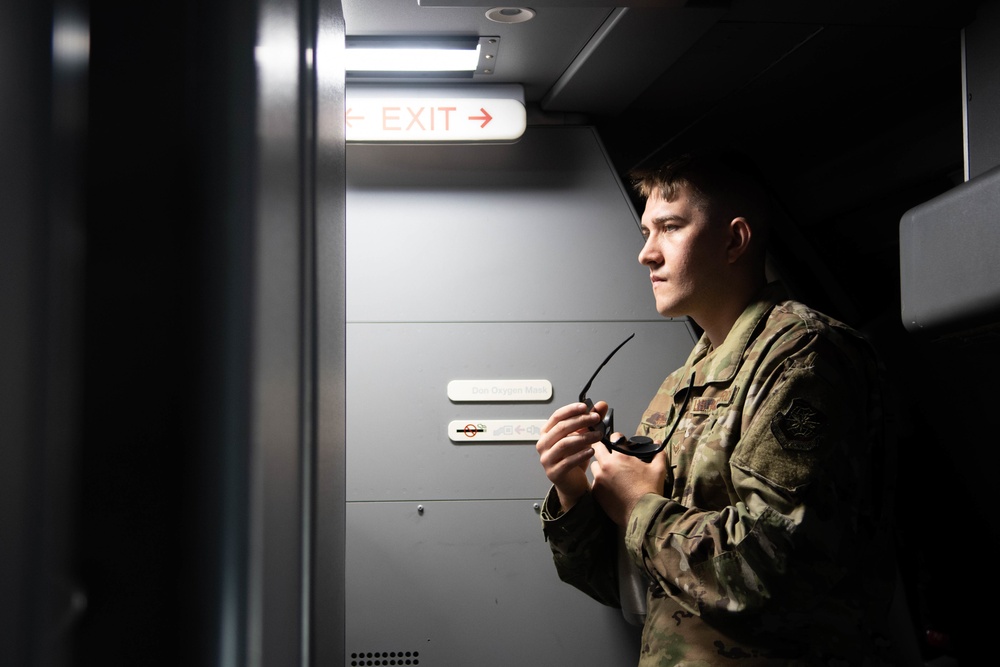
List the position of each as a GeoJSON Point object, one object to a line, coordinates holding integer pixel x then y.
{"type": "Point", "coordinates": [415, 59]}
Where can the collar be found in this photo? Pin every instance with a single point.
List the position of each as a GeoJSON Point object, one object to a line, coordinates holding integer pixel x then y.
{"type": "Point", "coordinates": [720, 364]}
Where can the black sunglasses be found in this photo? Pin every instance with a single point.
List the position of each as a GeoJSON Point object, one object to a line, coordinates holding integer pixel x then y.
{"type": "Point", "coordinates": [639, 446]}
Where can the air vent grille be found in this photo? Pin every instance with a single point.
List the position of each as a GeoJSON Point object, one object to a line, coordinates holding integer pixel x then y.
{"type": "Point", "coordinates": [382, 658]}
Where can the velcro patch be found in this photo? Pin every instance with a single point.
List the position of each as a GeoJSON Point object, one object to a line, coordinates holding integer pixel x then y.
{"type": "Point", "coordinates": [798, 427]}
{"type": "Point", "coordinates": [656, 420]}
{"type": "Point", "coordinates": [703, 404]}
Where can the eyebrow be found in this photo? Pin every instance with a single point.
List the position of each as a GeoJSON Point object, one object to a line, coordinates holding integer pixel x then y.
{"type": "Point", "coordinates": [665, 218]}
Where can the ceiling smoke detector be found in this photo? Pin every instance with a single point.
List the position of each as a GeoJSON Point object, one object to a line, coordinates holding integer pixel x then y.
{"type": "Point", "coordinates": [510, 14]}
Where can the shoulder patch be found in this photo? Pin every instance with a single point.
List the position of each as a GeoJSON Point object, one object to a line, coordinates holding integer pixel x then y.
{"type": "Point", "coordinates": [797, 427]}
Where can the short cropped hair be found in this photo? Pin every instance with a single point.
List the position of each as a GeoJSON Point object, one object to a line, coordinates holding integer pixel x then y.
{"type": "Point", "coordinates": [723, 184]}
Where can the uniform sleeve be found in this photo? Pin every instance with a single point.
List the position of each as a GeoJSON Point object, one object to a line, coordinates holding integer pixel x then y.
{"type": "Point", "coordinates": [802, 488]}
{"type": "Point", "coordinates": [583, 543]}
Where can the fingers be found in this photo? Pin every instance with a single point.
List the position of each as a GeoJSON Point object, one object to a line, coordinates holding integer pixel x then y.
{"type": "Point", "coordinates": [564, 464]}
{"type": "Point", "coordinates": [575, 416]}
{"type": "Point", "coordinates": [571, 422]}
{"type": "Point", "coordinates": [567, 433]}
{"type": "Point", "coordinates": [565, 446]}
{"type": "Point", "coordinates": [621, 480]}
{"type": "Point", "coordinates": [601, 455]}
{"type": "Point", "coordinates": [658, 466]}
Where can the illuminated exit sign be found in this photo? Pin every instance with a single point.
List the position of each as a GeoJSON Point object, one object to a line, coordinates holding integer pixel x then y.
{"type": "Point", "coordinates": [410, 114]}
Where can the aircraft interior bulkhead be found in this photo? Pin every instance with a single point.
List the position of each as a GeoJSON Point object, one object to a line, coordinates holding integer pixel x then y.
{"type": "Point", "coordinates": [280, 329]}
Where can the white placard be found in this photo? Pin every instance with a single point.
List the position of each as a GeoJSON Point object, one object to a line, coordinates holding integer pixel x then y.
{"type": "Point", "coordinates": [495, 430]}
{"type": "Point", "coordinates": [499, 390]}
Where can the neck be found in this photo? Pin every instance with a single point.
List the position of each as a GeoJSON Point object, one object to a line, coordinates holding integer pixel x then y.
{"type": "Point", "coordinates": [723, 315]}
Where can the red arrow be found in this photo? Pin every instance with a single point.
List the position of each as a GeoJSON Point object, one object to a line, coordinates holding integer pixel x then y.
{"type": "Point", "coordinates": [485, 118]}
{"type": "Point", "coordinates": [349, 118]}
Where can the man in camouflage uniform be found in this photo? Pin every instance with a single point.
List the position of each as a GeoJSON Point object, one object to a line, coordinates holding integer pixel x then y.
{"type": "Point", "coordinates": [763, 525]}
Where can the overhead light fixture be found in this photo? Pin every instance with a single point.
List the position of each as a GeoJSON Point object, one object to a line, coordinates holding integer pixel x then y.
{"type": "Point", "coordinates": [402, 57]}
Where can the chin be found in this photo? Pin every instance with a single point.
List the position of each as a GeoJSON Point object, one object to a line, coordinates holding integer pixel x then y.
{"type": "Point", "coordinates": [668, 311]}
{"type": "Point", "coordinates": [671, 309]}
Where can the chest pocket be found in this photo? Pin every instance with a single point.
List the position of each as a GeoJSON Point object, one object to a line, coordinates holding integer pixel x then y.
{"type": "Point", "coordinates": [701, 448]}
{"type": "Point", "coordinates": [705, 411]}
{"type": "Point", "coordinates": [659, 416]}
{"type": "Point", "coordinates": [665, 422]}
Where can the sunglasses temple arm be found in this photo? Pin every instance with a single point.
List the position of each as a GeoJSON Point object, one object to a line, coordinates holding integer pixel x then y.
{"type": "Point", "coordinates": [586, 388]}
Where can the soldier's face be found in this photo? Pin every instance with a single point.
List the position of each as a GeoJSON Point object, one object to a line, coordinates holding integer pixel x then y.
{"type": "Point", "coordinates": [683, 253]}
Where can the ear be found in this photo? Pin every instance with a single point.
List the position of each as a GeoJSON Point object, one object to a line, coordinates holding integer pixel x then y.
{"type": "Point", "coordinates": [738, 239]}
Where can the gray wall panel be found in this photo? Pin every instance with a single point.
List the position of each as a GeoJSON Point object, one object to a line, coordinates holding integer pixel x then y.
{"type": "Point", "coordinates": [398, 408]}
{"type": "Point", "coordinates": [536, 231]}
{"type": "Point", "coordinates": [513, 262]}
{"type": "Point", "coordinates": [948, 245]}
{"type": "Point", "coordinates": [469, 583]}
{"type": "Point", "coordinates": [948, 280]}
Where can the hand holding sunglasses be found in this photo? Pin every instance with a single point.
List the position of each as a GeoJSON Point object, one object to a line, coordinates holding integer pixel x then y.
{"type": "Point", "coordinates": [639, 446]}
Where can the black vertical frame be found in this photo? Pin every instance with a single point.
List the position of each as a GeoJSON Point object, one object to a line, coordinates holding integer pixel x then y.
{"type": "Point", "coordinates": [297, 459]}
{"type": "Point", "coordinates": [172, 348]}
{"type": "Point", "coordinates": [43, 85]}
{"type": "Point", "coordinates": [273, 161]}
{"type": "Point", "coordinates": [279, 402]}
{"type": "Point", "coordinates": [296, 530]}
{"type": "Point", "coordinates": [329, 473]}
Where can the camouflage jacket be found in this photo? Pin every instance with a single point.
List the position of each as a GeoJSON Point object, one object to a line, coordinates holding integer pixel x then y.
{"type": "Point", "coordinates": [770, 544]}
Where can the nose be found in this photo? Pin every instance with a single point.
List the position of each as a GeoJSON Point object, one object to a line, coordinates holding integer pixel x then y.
{"type": "Point", "coordinates": [648, 255]}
